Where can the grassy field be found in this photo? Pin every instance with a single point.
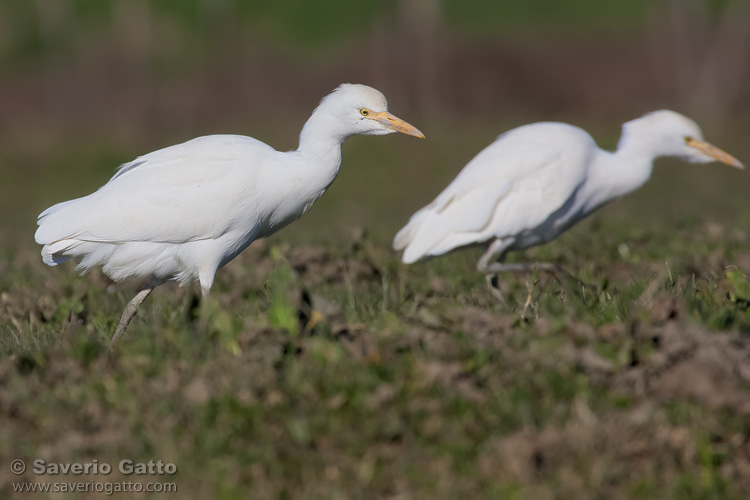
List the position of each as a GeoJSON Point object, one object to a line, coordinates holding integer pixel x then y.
{"type": "Point", "coordinates": [321, 367]}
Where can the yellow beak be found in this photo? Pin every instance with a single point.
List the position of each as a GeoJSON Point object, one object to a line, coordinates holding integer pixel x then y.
{"type": "Point", "coordinates": [714, 152]}
{"type": "Point", "coordinates": [396, 124]}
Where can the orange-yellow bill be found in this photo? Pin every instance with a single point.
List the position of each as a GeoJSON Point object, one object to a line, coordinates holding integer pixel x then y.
{"type": "Point", "coordinates": [714, 152]}
{"type": "Point", "coordinates": [396, 124]}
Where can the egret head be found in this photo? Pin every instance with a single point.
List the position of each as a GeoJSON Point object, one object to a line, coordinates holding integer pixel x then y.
{"type": "Point", "coordinates": [668, 133]}
{"type": "Point", "coordinates": [359, 109]}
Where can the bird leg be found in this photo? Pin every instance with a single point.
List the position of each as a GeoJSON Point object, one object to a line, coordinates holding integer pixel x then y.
{"type": "Point", "coordinates": [494, 288]}
{"type": "Point", "coordinates": [528, 267]}
{"type": "Point", "coordinates": [493, 251]}
{"type": "Point", "coordinates": [525, 267]}
{"type": "Point", "coordinates": [129, 312]}
{"type": "Point", "coordinates": [492, 269]}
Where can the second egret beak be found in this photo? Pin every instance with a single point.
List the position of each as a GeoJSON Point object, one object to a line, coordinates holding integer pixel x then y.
{"type": "Point", "coordinates": [714, 152]}
{"type": "Point", "coordinates": [395, 123]}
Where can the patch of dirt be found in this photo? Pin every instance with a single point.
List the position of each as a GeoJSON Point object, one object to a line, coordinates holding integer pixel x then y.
{"type": "Point", "coordinates": [709, 368]}
{"type": "Point", "coordinates": [626, 446]}
{"type": "Point", "coordinates": [318, 265]}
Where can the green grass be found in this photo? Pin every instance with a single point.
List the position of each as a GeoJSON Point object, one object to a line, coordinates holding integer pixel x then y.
{"type": "Point", "coordinates": [321, 367]}
{"type": "Point", "coordinates": [414, 382]}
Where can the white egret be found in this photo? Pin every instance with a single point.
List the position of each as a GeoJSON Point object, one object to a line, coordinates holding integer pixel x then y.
{"type": "Point", "coordinates": [182, 212]}
{"type": "Point", "coordinates": [536, 181]}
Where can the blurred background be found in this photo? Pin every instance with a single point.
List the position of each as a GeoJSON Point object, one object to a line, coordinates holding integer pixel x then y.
{"type": "Point", "coordinates": [88, 84]}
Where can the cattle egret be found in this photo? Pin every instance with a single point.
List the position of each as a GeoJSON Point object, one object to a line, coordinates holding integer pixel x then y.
{"type": "Point", "coordinates": [182, 212]}
{"type": "Point", "coordinates": [536, 181]}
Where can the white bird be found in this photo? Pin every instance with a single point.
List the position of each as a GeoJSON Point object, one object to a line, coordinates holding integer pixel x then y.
{"type": "Point", "coordinates": [536, 181]}
{"type": "Point", "coordinates": [182, 212]}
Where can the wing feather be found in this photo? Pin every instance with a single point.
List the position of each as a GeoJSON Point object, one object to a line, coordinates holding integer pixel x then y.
{"type": "Point", "coordinates": [191, 191]}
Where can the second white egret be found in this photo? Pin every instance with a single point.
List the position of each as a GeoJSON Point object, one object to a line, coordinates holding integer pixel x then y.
{"type": "Point", "coordinates": [537, 180]}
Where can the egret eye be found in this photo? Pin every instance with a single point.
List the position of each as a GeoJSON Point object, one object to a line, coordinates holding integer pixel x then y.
{"type": "Point", "coordinates": [364, 111]}
{"type": "Point", "coordinates": [688, 139]}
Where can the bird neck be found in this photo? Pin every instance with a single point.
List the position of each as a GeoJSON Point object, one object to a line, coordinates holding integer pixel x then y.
{"type": "Point", "coordinates": [320, 148]}
{"type": "Point", "coordinates": [640, 142]}
{"type": "Point", "coordinates": [610, 176]}
{"type": "Point", "coordinates": [631, 164]}
{"type": "Point", "coordinates": [322, 131]}
{"type": "Point", "coordinates": [320, 142]}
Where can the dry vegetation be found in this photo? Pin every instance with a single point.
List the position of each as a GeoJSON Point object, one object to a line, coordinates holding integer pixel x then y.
{"type": "Point", "coordinates": [335, 372]}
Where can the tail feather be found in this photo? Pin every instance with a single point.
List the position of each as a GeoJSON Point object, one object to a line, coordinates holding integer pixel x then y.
{"type": "Point", "coordinates": [420, 235]}
{"type": "Point", "coordinates": [58, 232]}
{"type": "Point", "coordinates": [59, 251]}
{"type": "Point", "coordinates": [59, 224]}
{"type": "Point", "coordinates": [54, 208]}
{"type": "Point", "coordinates": [406, 235]}
{"type": "Point", "coordinates": [428, 234]}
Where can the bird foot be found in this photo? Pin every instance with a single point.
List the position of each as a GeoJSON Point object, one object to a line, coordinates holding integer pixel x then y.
{"type": "Point", "coordinates": [494, 288]}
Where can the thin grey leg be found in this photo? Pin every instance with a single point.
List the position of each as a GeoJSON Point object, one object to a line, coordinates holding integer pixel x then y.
{"type": "Point", "coordinates": [494, 288]}
{"type": "Point", "coordinates": [528, 267]}
{"type": "Point", "coordinates": [129, 312]}
{"type": "Point", "coordinates": [496, 251]}
{"type": "Point", "coordinates": [525, 267]}
{"type": "Point", "coordinates": [493, 252]}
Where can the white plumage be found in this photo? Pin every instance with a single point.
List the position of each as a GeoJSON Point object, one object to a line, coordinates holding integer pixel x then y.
{"type": "Point", "coordinates": [182, 212]}
{"type": "Point", "coordinates": [536, 181]}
